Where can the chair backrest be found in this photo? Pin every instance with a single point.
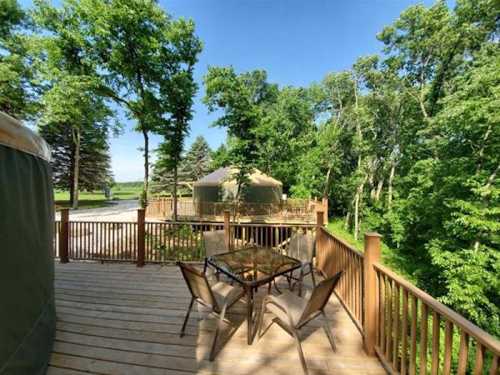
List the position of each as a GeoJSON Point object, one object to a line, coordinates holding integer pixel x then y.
{"type": "Point", "coordinates": [198, 285]}
{"type": "Point", "coordinates": [214, 242]}
{"type": "Point", "coordinates": [319, 297]}
{"type": "Point", "coordinates": [301, 246]}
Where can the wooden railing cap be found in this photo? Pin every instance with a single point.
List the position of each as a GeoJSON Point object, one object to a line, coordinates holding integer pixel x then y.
{"type": "Point", "coordinates": [373, 234]}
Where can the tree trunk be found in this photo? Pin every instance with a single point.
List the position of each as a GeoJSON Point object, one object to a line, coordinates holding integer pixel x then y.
{"type": "Point", "coordinates": [378, 192]}
{"type": "Point", "coordinates": [347, 220]}
{"type": "Point", "coordinates": [486, 198]}
{"type": "Point", "coordinates": [175, 193]}
{"type": "Point", "coordinates": [76, 167]}
{"type": "Point", "coordinates": [389, 185]}
{"type": "Point", "coordinates": [357, 203]}
{"type": "Point", "coordinates": [71, 177]}
{"type": "Point", "coordinates": [144, 201]}
{"type": "Point", "coordinates": [327, 183]}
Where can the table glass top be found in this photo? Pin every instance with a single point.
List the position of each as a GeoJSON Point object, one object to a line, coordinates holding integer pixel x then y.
{"type": "Point", "coordinates": [254, 265]}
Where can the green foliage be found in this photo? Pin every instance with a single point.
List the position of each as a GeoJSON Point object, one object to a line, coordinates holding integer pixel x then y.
{"type": "Point", "coordinates": [268, 127]}
{"type": "Point", "coordinates": [76, 121]}
{"type": "Point", "coordinates": [16, 74]}
{"type": "Point", "coordinates": [145, 60]}
{"type": "Point", "coordinates": [197, 161]}
{"type": "Point", "coordinates": [95, 162]}
{"type": "Point", "coordinates": [195, 164]}
{"type": "Point", "coordinates": [406, 143]}
{"type": "Point", "coordinates": [241, 98]}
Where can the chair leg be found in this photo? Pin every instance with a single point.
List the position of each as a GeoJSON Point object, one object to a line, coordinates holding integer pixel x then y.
{"type": "Point", "coordinates": [301, 281]}
{"type": "Point", "coordinates": [187, 317]}
{"type": "Point", "coordinates": [299, 349]}
{"type": "Point", "coordinates": [261, 317]}
{"type": "Point", "coordinates": [328, 331]}
{"type": "Point", "coordinates": [312, 276]}
{"type": "Point", "coordinates": [216, 334]}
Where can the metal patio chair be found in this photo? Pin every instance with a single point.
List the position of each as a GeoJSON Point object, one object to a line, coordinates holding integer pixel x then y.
{"type": "Point", "coordinates": [302, 247]}
{"type": "Point", "coordinates": [214, 243]}
{"type": "Point", "coordinates": [293, 312]}
{"type": "Point", "coordinates": [218, 297]}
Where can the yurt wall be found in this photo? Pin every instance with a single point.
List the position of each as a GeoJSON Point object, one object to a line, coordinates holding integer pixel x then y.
{"type": "Point", "coordinates": [263, 194]}
{"type": "Point", "coordinates": [220, 185]}
{"type": "Point", "coordinates": [207, 193]}
{"type": "Point", "coordinates": [27, 311]}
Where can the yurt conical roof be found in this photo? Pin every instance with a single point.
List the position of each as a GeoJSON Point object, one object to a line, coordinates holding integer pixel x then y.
{"type": "Point", "coordinates": [225, 176]}
{"type": "Point", "coordinates": [14, 135]}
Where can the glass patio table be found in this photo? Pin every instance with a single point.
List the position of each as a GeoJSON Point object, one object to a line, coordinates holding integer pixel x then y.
{"type": "Point", "coordinates": [253, 267]}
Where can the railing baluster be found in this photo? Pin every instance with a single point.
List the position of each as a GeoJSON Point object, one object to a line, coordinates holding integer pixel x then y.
{"type": "Point", "coordinates": [423, 338]}
{"type": "Point", "coordinates": [448, 346]}
{"type": "Point", "coordinates": [463, 353]}
{"type": "Point", "coordinates": [404, 334]}
{"type": "Point", "coordinates": [382, 311]}
{"type": "Point", "coordinates": [413, 334]}
{"type": "Point", "coordinates": [436, 331]}
{"type": "Point", "coordinates": [388, 342]}
{"type": "Point", "coordinates": [479, 361]}
{"type": "Point", "coordinates": [494, 366]}
{"type": "Point", "coordinates": [395, 350]}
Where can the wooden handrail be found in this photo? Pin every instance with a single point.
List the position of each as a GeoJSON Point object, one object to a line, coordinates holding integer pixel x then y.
{"type": "Point", "coordinates": [346, 244]}
{"type": "Point", "coordinates": [471, 329]}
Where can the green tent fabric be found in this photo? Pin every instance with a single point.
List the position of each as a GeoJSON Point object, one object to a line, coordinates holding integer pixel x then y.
{"type": "Point", "coordinates": [27, 309]}
{"type": "Point", "coordinates": [221, 185]}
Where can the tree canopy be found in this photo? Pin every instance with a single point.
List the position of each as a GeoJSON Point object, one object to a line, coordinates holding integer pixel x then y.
{"type": "Point", "coordinates": [405, 143]}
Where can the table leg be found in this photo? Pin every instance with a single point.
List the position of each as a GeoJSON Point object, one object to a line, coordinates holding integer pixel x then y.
{"type": "Point", "coordinates": [249, 291]}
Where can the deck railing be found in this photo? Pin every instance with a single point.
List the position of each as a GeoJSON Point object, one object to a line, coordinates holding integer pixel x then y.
{"type": "Point", "coordinates": [350, 288]}
{"type": "Point", "coordinates": [409, 330]}
{"type": "Point", "coordinates": [291, 210]}
{"type": "Point", "coordinates": [143, 241]}
{"type": "Point", "coordinates": [417, 334]}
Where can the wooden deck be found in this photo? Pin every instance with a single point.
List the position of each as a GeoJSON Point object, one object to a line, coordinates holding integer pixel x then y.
{"type": "Point", "coordinates": [120, 319]}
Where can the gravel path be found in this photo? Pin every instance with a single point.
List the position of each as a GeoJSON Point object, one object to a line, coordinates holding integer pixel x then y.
{"type": "Point", "coordinates": [123, 210]}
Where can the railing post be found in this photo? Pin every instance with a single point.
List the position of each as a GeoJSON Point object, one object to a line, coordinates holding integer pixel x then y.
{"type": "Point", "coordinates": [372, 255]}
{"type": "Point", "coordinates": [227, 229]}
{"type": "Point", "coordinates": [319, 238]}
{"type": "Point", "coordinates": [141, 237]}
{"type": "Point", "coordinates": [64, 236]}
{"type": "Point", "coordinates": [320, 218]}
{"type": "Point", "coordinates": [324, 207]}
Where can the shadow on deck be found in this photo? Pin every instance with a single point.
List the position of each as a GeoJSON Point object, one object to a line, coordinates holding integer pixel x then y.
{"type": "Point", "coordinates": [120, 319]}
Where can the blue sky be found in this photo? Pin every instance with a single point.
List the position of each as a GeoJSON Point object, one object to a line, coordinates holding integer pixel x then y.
{"type": "Point", "coordinates": [296, 41]}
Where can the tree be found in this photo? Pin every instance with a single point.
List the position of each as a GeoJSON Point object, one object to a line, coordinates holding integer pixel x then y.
{"type": "Point", "coordinates": [242, 99]}
{"type": "Point", "coordinates": [76, 124]}
{"type": "Point", "coordinates": [285, 132]}
{"type": "Point", "coordinates": [94, 162]}
{"type": "Point", "coordinates": [220, 157]}
{"type": "Point", "coordinates": [145, 60]}
{"type": "Point", "coordinates": [71, 105]}
{"type": "Point", "coordinates": [179, 93]}
{"type": "Point", "coordinates": [196, 163]}
{"type": "Point", "coordinates": [16, 85]}
{"type": "Point", "coordinates": [464, 239]}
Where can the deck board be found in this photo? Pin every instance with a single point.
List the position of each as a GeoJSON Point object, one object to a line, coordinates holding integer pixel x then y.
{"type": "Point", "coordinates": [120, 319]}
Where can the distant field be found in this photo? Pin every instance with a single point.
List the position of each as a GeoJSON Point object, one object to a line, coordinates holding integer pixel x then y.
{"type": "Point", "coordinates": [122, 190]}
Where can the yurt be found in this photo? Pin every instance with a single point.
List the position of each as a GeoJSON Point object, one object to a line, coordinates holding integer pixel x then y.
{"type": "Point", "coordinates": [220, 186]}
{"type": "Point", "coordinates": [27, 312]}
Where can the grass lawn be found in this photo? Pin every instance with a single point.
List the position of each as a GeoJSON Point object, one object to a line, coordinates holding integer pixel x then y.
{"type": "Point", "coordinates": [126, 190]}
{"type": "Point", "coordinates": [390, 257]}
